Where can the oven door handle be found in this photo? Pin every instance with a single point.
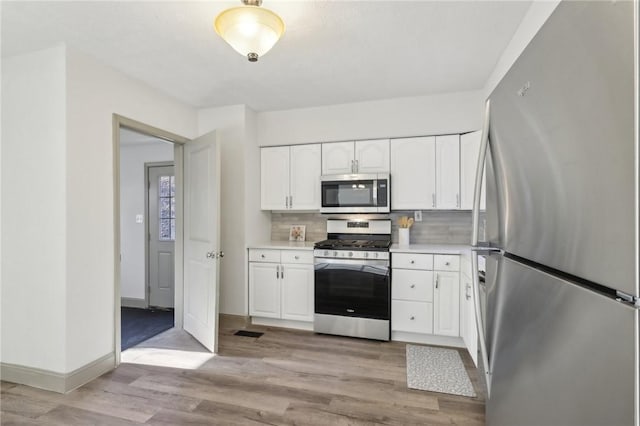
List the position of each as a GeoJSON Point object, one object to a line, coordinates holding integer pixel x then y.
{"type": "Point", "coordinates": [331, 261]}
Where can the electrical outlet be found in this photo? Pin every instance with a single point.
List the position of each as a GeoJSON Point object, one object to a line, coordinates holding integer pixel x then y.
{"type": "Point", "coordinates": [417, 215]}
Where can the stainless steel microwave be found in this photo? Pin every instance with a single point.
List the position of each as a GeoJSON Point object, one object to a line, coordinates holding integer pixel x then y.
{"type": "Point", "coordinates": [360, 193]}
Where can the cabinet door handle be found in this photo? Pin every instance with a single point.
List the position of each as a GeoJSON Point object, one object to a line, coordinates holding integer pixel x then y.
{"type": "Point", "coordinates": [296, 257]}
{"type": "Point", "coordinates": [447, 263]}
{"type": "Point", "coordinates": [353, 166]}
{"type": "Point", "coordinates": [262, 256]}
{"type": "Point", "coordinates": [436, 281]}
{"type": "Point", "coordinates": [282, 272]}
{"type": "Point", "coordinates": [277, 271]}
{"type": "Point", "coordinates": [357, 165]}
{"type": "Point", "coordinates": [412, 286]}
{"type": "Point", "coordinates": [433, 199]}
{"type": "Point", "coordinates": [413, 261]}
{"type": "Point", "coordinates": [286, 202]}
{"type": "Point", "coordinates": [412, 317]}
{"type": "Point", "coordinates": [290, 201]}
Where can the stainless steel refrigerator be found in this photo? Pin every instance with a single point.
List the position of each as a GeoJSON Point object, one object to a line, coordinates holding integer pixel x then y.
{"type": "Point", "coordinates": [558, 310]}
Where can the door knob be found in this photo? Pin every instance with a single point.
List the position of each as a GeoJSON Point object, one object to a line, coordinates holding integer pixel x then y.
{"type": "Point", "coordinates": [220, 254]}
{"type": "Point", "coordinates": [211, 255]}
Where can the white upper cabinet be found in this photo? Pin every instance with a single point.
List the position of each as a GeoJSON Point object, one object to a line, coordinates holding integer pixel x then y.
{"type": "Point", "coordinates": [469, 150]}
{"type": "Point", "coordinates": [372, 156]}
{"type": "Point", "coordinates": [274, 178]}
{"type": "Point", "coordinates": [413, 177]}
{"type": "Point", "coordinates": [337, 158]}
{"type": "Point", "coordinates": [290, 177]}
{"type": "Point", "coordinates": [340, 158]}
{"type": "Point", "coordinates": [305, 177]}
{"type": "Point", "coordinates": [448, 172]}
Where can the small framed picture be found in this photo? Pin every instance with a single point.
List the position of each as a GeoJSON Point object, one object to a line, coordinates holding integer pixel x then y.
{"type": "Point", "coordinates": [296, 233]}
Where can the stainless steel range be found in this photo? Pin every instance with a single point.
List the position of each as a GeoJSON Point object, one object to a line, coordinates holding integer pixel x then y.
{"type": "Point", "coordinates": [352, 279]}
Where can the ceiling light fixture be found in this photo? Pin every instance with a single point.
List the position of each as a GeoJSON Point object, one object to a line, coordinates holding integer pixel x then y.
{"type": "Point", "coordinates": [250, 29]}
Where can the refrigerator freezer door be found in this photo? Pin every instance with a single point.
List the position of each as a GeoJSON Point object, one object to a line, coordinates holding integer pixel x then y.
{"type": "Point", "coordinates": [562, 147]}
{"type": "Point", "coordinates": [559, 354]}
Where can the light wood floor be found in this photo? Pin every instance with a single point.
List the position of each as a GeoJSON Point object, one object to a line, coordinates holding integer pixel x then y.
{"type": "Point", "coordinates": [283, 377]}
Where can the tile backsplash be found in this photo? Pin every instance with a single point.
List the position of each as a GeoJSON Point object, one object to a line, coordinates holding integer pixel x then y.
{"type": "Point", "coordinates": [448, 227]}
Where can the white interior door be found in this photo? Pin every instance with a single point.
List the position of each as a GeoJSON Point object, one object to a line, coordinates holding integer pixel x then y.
{"type": "Point", "coordinates": [201, 239]}
{"type": "Point", "coordinates": [162, 235]}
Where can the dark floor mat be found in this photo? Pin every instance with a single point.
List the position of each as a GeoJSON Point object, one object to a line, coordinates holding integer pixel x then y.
{"type": "Point", "coordinates": [247, 333]}
{"type": "Point", "coordinates": [138, 325]}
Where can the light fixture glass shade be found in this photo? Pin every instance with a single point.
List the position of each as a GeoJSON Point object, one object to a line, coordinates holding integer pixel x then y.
{"type": "Point", "coordinates": [250, 29]}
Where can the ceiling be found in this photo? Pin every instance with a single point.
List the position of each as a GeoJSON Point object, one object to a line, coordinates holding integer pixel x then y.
{"type": "Point", "coordinates": [332, 51]}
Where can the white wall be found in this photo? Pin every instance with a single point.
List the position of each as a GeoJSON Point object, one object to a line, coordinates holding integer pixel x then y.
{"type": "Point", "coordinates": [414, 116]}
{"type": "Point", "coordinates": [235, 146]}
{"type": "Point", "coordinates": [536, 16]}
{"type": "Point", "coordinates": [33, 210]}
{"type": "Point", "coordinates": [132, 202]}
{"type": "Point", "coordinates": [94, 93]}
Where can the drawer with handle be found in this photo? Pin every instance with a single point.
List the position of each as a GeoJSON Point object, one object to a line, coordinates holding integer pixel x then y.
{"type": "Point", "coordinates": [413, 285]}
{"type": "Point", "coordinates": [413, 317]}
{"type": "Point", "coordinates": [446, 262]}
{"type": "Point", "coordinates": [264, 255]}
{"type": "Point", "coordinates": [412, 261]}
{"type": "Point", "coordinates": [297, 256]}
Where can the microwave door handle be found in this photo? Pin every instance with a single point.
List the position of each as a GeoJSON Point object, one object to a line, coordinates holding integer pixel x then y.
{"type": "Point", "coordinates": [375, 193]}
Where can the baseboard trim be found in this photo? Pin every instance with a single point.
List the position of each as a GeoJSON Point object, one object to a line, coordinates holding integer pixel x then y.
{"type": "Point", "coordinates": [234, 321]}
{"type": "Point", "coordinates": [427, 339]}
{"type": "Point", "coordinates": [53, 381]}
{"type": "Point", "coordinates": [132, 302]}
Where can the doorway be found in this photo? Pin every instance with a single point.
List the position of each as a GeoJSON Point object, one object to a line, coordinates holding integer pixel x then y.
{"type": "Point", "coordinates": [147, 236]}
{"type": "Point", "coordinates": [195, 224]}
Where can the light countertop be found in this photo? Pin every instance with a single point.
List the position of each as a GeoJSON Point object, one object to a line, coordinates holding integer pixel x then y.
{"type": "Point", "coordinates": [431, 248]}
{"type": "Point", "coordinates": [284, 245]}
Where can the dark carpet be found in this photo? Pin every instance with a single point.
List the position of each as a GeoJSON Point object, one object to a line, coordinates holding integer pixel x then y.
{"type": "Point", "coordinates": [137, 325]}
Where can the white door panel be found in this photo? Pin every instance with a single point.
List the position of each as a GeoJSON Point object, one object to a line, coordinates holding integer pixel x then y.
{"type": "Point", "coordinates": [264, 290]}
{"type": "Point", "coordinates": [274, 177]}
{"type": "Point", "coordinates": [413, 173]}
{"type": "Point", "coordinates": [201, 239]}
{"type": "Point", "coordinates": [448, 172]}
{"type": "Point", "coordinates": [337, 158]}
{"type": "Point", "coordinates": [297, 292]}
{"type": "Point", "coordinates": [372, 156]}
{"type": "Point", "coordinates": [446, 301]}
{"type": "Point", "coordinates": [306, 166]}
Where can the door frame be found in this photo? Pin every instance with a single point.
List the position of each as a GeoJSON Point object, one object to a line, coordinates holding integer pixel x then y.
{"type": "Point", "coordinates": [147, 260]}
{"type": "Point", "coordinates": [119, 121]}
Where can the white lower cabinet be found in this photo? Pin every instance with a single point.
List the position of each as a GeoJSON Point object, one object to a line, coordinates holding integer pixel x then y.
{"type": "Point", "coordinates": [425, 293]}
{"type": "Point", "coordinates": [297, 292]}
{"type": "Point", "coordinates": [264, 286]}
{"type": "Point", "coordinates": [468, 328]}
{"type": "Point", "coordinates": [446, 301]}
{"type": "Point", "coordinates": [280, 290]}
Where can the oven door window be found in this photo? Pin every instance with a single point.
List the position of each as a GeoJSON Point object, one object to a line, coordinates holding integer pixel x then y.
{"type": "Point", "coordinates": [348, 193]}
{"type": "Point", "coordinates": [351, 289]}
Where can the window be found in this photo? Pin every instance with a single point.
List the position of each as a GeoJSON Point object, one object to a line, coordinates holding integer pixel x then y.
{"type": "Point", "coordinates": [167, 208]}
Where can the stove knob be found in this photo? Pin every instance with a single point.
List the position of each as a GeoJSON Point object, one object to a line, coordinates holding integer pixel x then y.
{"type": "Point", "coordinates": [366, 254]}
{"type": "Point", "coordinates": [350, 254]}
{"type": "Point", "coordinates": [326, 252]}
{"type": "Point", "coordinates": [335, 254]}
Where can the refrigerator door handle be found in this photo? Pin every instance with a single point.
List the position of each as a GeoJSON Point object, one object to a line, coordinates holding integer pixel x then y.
{"type": "Point", "coordinates": [479, 325]}
{"type": "Point", "coordinates": [482, 154]}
